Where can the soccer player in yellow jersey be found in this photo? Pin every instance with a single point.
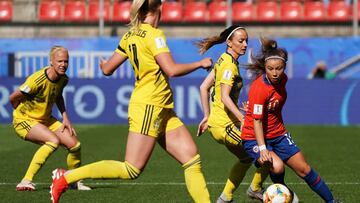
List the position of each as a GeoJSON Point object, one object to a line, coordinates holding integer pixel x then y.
{"type": "Point", "coordinates": [151, 115]}
{"type": "Point", "coordinates": [224, 121]}
{"type": "Point", "coordinates": [32, 119]}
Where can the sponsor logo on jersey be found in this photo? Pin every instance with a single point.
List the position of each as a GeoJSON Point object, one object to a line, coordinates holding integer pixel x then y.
{"type": "Point", "coordinates": [227, 74]}
{"type": "Point", "coordinates": [25, 89]}
{"type": "Point", "coordinates": [160, 42]}
{"type": "Point", "coordinates": [258, 109]}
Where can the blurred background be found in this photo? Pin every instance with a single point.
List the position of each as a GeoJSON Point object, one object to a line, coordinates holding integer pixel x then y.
{"type": "Point", "coordinates": [320, 36]}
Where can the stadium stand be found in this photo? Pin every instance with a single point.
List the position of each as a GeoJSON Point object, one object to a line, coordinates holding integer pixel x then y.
{"type": "Point", "coordinates": [195, 12]}
{"type": "Point", "coordinates": [6, 11]}
{"type": "Point", "coordinates": [75, 11]}
{"type": "Point", "coordinates": [94, 13]}
{"type": "Point", "coordinates": [242, 11]}
{"type": "Point", "coordinates": [267, 11]}
{"type": "Point", "coordinates": [121, 11]}
{"type": "Point", "coordinates": [49, 11]}
{"type": "Point", "coordinates": [291, 11]}
{"type": "Point", "coordinates": [339, 11]}
{"type": "Point", "coordinates": [314, 11]}
{"type": "Point", "coordinates": [217, 11]}
{"type": "Point", "coordinates": [172, 11]}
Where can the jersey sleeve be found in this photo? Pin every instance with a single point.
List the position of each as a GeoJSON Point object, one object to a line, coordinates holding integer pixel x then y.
{"type": "Point", "coordinates": [121, 47]}
{"type": "Point", "coordinates": [29, 86]}
{"type": "Point", "coordinates": [228, 74]}
{"type": "Point", "coordinates": [157, 43]}
{"type": "Point", "coordinates": [257, 99]}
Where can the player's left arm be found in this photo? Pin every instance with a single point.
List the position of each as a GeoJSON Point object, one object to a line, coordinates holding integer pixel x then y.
{"type": "Point", "coordinates": [16, 98]}
{"type": "Point", "coordinates": [66, 121]}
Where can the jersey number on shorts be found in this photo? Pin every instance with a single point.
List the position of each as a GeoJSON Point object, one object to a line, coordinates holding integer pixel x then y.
{"type": "Point", "coordinates": [133, 50]}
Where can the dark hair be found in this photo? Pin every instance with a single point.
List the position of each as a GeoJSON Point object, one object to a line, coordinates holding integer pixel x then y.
{"type": "Point", "coordinates": [207, 43]}
{"type": "Point", "coordinates": [268, 48]}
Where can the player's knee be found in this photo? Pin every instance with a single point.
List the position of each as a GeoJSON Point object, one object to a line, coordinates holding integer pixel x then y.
{"type": "Point", "coordinates": [54, 140]}
{"type": "Point", "coordinates": [52, 145]}
{"type": "Point", "coordinates": [194, 162]}
{"type": "Point", "coordinates": [278, 167]}
{"type": "Point", "coordinates": [303, 170]}
{"type": "Point", "coordinates": [75, 148]}
{"type": "Point", "coordinates": [133, 172]}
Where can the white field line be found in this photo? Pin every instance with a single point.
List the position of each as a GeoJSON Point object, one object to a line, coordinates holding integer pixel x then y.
{"type": "Point", "coordinates": [182, 183]}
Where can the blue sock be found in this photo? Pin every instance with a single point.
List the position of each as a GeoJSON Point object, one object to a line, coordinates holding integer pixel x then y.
{"type": "Point", "coordinates": [277, 178]}
{"type": "Point", "coordinates": [318, 186]}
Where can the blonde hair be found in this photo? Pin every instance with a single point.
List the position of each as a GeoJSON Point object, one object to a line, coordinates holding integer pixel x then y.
{"type": "Point", "coordinates": [139, 10]}
{"type": "Point", "coordinates": [55, 49]}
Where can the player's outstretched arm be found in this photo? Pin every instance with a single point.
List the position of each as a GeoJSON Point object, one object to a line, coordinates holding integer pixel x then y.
{"type": "Point", "coordinates": [172, 69]}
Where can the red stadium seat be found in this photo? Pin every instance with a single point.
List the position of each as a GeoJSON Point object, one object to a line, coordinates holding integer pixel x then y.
{"type": "Point", "coordinates": [121, 11]}
{"type": "Point", "coordinates": [291, 11]}
{"type": "Point", "coordinates": [93, 11]}
{"type": "Point", "coordinates": [217, 11]}
{"type": "Point", "coordinates": [242, 11]}
{"type": "Point", "coordinates": [172, 11]}
{"type": "Point", "coordinates": [339, 11]}
{"type": "Point", "coordinates": [50, 11]}
{"type": "Point", "coordinates": [6, 10]}
{"type": "Point", "coordinates": [267, 11]}
{"type": "Point", "coordinates": [74, 11]}
{"type": "Point", "coordinates": [314, 11]}
{"type": "Point", "coordinates": [195, 12]}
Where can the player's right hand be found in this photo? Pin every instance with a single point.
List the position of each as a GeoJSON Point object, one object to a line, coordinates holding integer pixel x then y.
{"type": "Point", "coordinates": [206, 63]}
{"type": "Point", "coordinates": [202, 127]}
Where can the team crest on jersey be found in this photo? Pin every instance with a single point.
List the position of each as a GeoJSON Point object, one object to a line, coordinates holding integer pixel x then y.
{"type": "Point", "coordinates": [256, 149]}
{"type": "Point", "coordinates": [160, 42]}
{"type": "Point", "coordinates": [273, 104]}
{"type": "Point", "coordinates": [157, 123]}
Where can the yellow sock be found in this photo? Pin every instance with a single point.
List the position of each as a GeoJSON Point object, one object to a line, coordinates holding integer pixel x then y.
{"type": "Point", "coordinates": [195, 181]}
{"type": "Point", "coordinates": [107, 169]}
{"type": "Point", "coordinates": [259, 177]}
{"type": "Point", "coordinates": [74, 157]}
{"type": "Point", "coordinates": [39, 159]}
{"type": "Point", "coordinates": [237, 174]}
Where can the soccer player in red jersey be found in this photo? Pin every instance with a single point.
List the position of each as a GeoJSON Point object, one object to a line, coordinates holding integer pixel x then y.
{"type": "Point", "coordinates": [264, 135]}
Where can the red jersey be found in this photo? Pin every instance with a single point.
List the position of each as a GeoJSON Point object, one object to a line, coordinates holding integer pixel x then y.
{"type": "Point", "coordinates": [265, 102]}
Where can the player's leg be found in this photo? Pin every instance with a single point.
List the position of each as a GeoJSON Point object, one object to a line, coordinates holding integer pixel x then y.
{"type": "Point", "coordinates": [40, 134]}
{"type": "Point", "coordinates": [178, 142]}
{"type": "Point", "coordinates": [286, 149]}
{"type": "Point", "coordinates": [230, 137]}
{"type": "Point", "coordinates": [298, 163]}
{"type": "Point", "coordinates": [71, 143]}
{"type": "Point", "coordinates": [138, 150]}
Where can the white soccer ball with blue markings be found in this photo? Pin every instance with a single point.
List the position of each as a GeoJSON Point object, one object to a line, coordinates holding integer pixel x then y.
{"type": "Point", "coordinates": [277, 193]}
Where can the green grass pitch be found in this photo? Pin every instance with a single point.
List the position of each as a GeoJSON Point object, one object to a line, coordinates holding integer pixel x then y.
{"type": "Point", "coordinates": [332, 151]}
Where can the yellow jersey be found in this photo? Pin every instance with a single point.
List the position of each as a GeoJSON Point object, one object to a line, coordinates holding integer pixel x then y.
{"type": "Point", "coordinates": [226, 72]}
{"type": "Point", "coordinates": [41, 93]}
{"type": "Point", "coordinates": [141, 45]}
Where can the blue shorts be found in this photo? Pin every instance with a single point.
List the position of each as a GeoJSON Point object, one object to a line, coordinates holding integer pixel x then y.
{"type": "Point", "coordinates": [283, 146]}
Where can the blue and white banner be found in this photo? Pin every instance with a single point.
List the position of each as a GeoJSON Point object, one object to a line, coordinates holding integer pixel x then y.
{"type": "Point", "coordinates": [304, 53]}
{"type": "Point", "coordinates": [105, 101]}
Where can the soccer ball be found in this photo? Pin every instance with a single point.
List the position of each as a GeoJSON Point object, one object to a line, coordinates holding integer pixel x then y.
{"type": "Point", "coordinates": [277, 193]}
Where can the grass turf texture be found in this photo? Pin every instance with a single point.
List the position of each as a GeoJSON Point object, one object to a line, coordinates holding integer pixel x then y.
{"type": "Point", "coordinates": [332, 151]}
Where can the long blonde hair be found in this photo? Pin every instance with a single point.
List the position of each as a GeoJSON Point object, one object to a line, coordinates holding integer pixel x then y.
{"type": "Point", "coordinates": [139, 10]}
